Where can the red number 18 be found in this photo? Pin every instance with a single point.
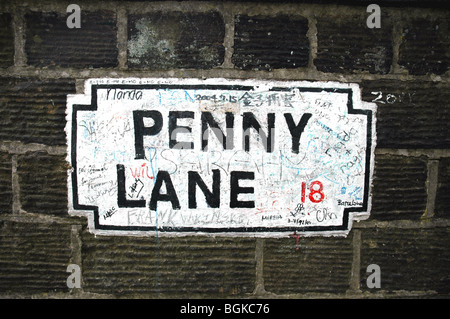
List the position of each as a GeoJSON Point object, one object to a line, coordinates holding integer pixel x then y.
{"type": "Point", "coordinates": [313, 197]}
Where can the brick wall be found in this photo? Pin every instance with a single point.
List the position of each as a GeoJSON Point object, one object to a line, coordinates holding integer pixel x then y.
{"type": "Point", "coordinates": [403, 67]}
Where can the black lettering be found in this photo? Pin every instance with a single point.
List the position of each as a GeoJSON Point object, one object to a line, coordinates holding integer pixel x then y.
{"type": "Point", "coordinates": [296, 130]}
{"type": "Point", "coordinates": [174, 128]}
{"type": "Point", "coordinates": [235, 189]}
{"type": "Point", "coordinates": [226, 140]}
{"type": "Point", "coordinates": [249, 121]}
{"type": "Point", "coordinates": [170, 196]}
{"type": "Point", "coordinates": [107, 93]}
{"type": "Point", "coordinates": [122, 200]}
{"type": "Point", "coordinates": [212, 198]}
{"type": "Point", "coordinates": [140, 130]}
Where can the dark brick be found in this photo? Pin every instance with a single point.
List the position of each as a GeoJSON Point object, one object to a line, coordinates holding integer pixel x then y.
{"type": "Point", "coordinates": [168, 266]}
{"type": "Point", "coordinates": [5, 183]}
{"type": "Point", "coordinates": [346, 45]}
{"type": "Point", "coordinates": [399, 188]}
{"type": "Point", "coordinates": [49, 42]}
{"type": "Point", "coordinates": [319, 265]}
{"type": "Point", "coordinates": [6, 41]}
{"type": "Point", "coordinates": [425, 46]}
{"type": "Point", "coordinates": [43, 183]}
{"type": "Point", "coordinates": [409, 259]}
{"type": "Point", "coordinates": [33, 258]}
{"type": "Point", "coordinates": [267, 43]}
{"type": "Point", "coordinates": [33, 110]}
{"type": "Point", "coordinates": [162, 41]}
{"type": "Point", "coordinates": [410, 114]}
{"type": "Point", "coordinates": [442, 206]}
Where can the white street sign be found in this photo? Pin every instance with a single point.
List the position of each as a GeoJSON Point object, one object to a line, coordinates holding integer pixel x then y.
{"type": "Point", "coordinates": [229, 157]}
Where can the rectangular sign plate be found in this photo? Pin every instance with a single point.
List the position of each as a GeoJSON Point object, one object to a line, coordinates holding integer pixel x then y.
{"type": "Point", "coordinates": [228, 157]}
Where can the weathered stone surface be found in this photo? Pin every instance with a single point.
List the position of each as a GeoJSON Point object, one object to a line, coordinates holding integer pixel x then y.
{"type": "Point", "coordinates": [266, 43]}
{"type": "Point", "coordinates": [399, 188]}
{"type": "Point", "coordinates": [442, 207]}
{"type": "Point", "coordinates": [6, 41]}
{"type": "Point", "coordinates": [161, 41]}
{"type": "Point", "coordinates": [50, 43]}
{"type": "Point", "coordinates": [409, 259]}
{"type": "Point", "coordinates": [411, 114]}
{"type": "Point", "coordinates": [33, 258]}
{"type": "Point", "coordinates": [318, 265]}
{"type": "Point", "coordinates": [32, 110]}
{"type": "Point", "coordinates": [168, 266]}
{"type": "Point", "coordinates": [43, 183]}
{"type": "Point", "coordinates": [346, 45]}
{"type": "Point", "coordinates": [425, 46]}
{"type": "Point", "coordinates": [5, 183]}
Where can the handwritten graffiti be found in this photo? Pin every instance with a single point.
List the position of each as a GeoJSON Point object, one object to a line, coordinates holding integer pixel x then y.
{"type": "Point", "coordinates": [391, 98]}
{"type": "Point", "coordinates": [324, 214]}
{"type": "Point", "coordinates": [229, 157]}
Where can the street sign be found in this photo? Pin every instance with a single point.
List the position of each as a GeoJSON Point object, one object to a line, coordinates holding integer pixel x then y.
{"type": "Point", "coordinates": [225, 157]}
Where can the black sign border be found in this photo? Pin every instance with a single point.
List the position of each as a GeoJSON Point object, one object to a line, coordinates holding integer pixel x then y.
{"type": "Point", "coordinates": [93, 107]}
